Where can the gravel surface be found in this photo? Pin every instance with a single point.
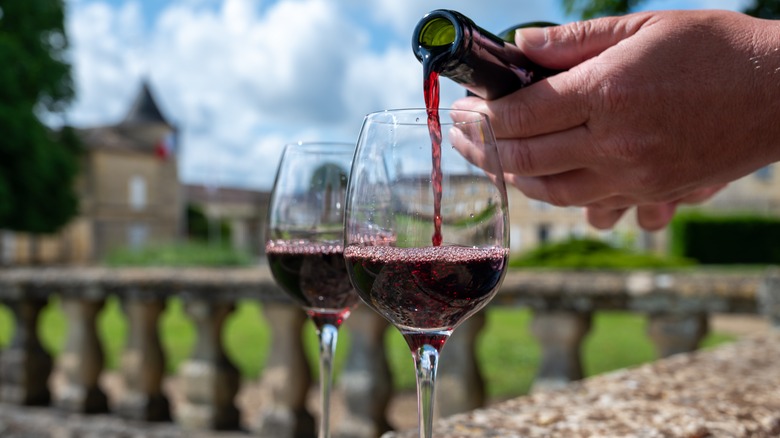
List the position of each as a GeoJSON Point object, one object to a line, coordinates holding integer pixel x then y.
{"type": "Point", "coordinates": [730, 391]}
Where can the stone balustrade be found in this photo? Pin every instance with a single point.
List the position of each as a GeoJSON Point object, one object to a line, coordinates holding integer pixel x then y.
{"type": "Point", "coordinates": [677, 306]}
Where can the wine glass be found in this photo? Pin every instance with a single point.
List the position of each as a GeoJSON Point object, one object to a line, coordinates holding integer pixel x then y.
{"type": "Point", "coordinates": [425, 228]}
{"type": "Point", "coordinates": [304, 244]}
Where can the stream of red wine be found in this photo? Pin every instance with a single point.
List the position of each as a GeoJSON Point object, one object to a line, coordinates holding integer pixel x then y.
{"type": "Point", "coordinates": [431, 92]}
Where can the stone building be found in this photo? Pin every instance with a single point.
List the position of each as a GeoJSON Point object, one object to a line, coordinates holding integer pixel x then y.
{"type": "Point", "coordinates": [244, 210]}
{"type": "Point", "coordinates": [128, 188]}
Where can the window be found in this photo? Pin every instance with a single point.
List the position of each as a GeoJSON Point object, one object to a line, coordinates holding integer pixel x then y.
{"type": "Point", "coordinates": [137, 235]}
{"type": "Point", "coordinates": [137, 192]}
{"type": "Point", "coordinates": [543, 233]}
{"type": "Point", "coordinates": [515, 239]}
{"type": "Point", "coordinates": [764, 173]}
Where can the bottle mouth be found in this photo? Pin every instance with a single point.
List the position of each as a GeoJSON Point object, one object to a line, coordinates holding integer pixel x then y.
{"type": "Point", "coordinates": [437, 32]}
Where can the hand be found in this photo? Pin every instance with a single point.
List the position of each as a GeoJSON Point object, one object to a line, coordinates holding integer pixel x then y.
{"type": "Point", "coordinates": [653, 108]}
{"type": "Point", "coordinates": [651, 217]}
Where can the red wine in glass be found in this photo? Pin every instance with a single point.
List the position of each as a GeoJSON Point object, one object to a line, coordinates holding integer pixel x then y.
{"type": "Point", "coordinates": [428, 289]}
{"type": "Point", "coordinates": [315, 275]}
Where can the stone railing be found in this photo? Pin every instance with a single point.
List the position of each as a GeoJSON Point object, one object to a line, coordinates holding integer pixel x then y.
{"type": "Point", "coordinates": [677, 306]}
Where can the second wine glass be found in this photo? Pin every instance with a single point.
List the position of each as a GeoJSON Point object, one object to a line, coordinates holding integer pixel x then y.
{"type": "Point", "coordinates": [426, 243]}
{"type": "Point", "coordinates": [304, 244]}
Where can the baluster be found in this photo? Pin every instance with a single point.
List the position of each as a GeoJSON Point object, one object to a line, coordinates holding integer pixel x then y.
{"type": "Point", "coordinates": [769, 297]}
{"type": "Point", "coordinates": [286, 377]}
{"type": "Point", "coordinates": [210, 381]}
{"type": "Point", "coordinates": [142, 366]}
{"type": "Point", "coordinates": [366, 381]}
{"type": "Point", "coordinates": [674, 333]}
{"type": "Point", "coordinates": [460, 384]}
{"type": "Point", "coordinates": [25, 366]}
{"type": "Point", "coordinates": [81, 362]}
{"type": "Point", "coordinates": [560, 334]}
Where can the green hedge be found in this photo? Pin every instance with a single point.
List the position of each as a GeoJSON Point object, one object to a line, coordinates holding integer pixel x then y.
{"type": "Point", "coordinates": [199, 228]}
{"type": "Point", "coordinates": [726, 239]}
{"type": "Point", "coordinates": [579, 253]}
{"type": "Point", "coordinates": [194, 253]}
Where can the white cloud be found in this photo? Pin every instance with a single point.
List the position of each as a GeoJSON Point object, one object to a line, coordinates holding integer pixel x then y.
{"type": "Point", "coordinates": [105, 59]}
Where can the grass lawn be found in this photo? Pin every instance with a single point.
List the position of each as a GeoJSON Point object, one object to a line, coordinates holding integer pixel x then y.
{"type": "Point", "coordinates": [507, 352]}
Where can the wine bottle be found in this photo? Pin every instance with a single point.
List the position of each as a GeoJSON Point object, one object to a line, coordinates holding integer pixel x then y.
{"type": "Point", "coordinates": [450, 44]}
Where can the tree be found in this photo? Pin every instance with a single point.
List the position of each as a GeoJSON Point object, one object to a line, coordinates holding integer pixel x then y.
{"type": "Point", "coordinates": [598, 8]}
{"type": "Point", "coordinates": [38, 166]}
{"type": "Point", "coordinates": [587, 9]}
{"type": "Point", "coordinates": [765, 9]}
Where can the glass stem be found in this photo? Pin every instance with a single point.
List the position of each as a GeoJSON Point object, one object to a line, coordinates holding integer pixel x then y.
{"type": "Point", "coordinates": [328, 336]}
{"type": "Point", "coordinates": [426, 361]}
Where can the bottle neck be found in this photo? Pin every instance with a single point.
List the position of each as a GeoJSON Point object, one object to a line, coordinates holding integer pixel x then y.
{"type": "Point", "coordinates": [450, 44]}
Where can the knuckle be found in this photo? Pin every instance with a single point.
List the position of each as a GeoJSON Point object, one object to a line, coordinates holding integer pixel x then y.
{"type": "Point", "coordinates": [518, 119]}
{"type": "Point", "coordinates": [521, 161]}
{"type": "Point", "coordinates": [577, 32]}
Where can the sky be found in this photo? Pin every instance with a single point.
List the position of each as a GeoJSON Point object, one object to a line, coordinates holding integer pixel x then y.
{"type": "Point", "coordinates": [242, 78]}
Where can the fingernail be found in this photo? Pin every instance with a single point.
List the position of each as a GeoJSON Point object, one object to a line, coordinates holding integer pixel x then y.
{"type": "Point", "coordinates": [531, 37]}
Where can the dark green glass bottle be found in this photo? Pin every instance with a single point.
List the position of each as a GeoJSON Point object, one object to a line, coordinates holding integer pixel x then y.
{"type": "Point", "coordinates": [452, 45]}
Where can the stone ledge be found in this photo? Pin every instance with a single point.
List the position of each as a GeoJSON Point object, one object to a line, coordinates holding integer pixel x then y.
{"type": "Point", "coordinates": [582, 291]}
{"type": "Point", "coordinates": [730, 391]}
{"type": "Point", "coordinates": [32, 422]}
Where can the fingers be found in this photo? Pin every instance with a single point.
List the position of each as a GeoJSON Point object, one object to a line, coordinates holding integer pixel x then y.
{"type": "Point", "coordinates": [554, 104]}
{"type": "Point", "coordinates": [651, 217]}
{"type": "Point", "coordinates": [545, 155]}
{"type": "Point", "coordinates": [604, 218]}
{"type": "Point", "coordinates": [536, 156]}
{"type": "Point", "coordinates": [579, 187]}
{"type": "Point", "coordinates": [654, 217]}
{"type": "Point", "coordinates": [549, 154]}
{"type": "Point", "coordinates": [562, 47]}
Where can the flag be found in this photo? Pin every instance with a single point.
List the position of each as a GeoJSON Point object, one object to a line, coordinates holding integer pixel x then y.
{"type": "Point", "coordinates": [166, 146]}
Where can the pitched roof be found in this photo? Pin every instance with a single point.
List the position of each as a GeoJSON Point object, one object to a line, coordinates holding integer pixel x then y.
{"type": "Point", "coordinates": [144, 109]}
{"type": "Point", "coordinates": [140, 131]}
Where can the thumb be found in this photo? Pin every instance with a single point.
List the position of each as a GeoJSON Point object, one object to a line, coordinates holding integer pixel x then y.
{"type": "Point", "coordinates": [563, 47]}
